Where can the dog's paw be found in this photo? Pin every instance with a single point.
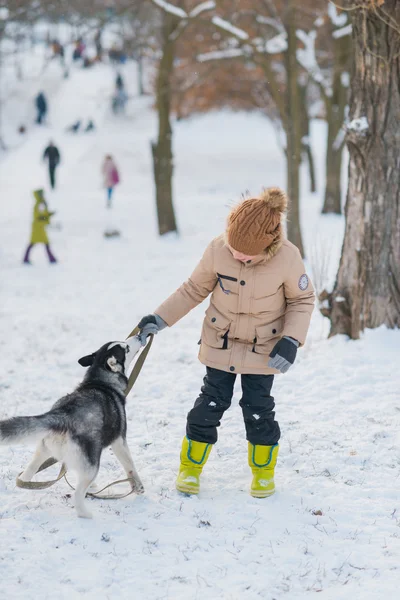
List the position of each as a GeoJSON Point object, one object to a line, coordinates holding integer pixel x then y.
{"type": "Point", "coordinates": [138, 487]}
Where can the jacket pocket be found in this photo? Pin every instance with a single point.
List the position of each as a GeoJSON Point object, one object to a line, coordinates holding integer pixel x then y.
{"type": "Point", "coordinates": [216, 329]}
{"type": "Point", "coordinates": [267, 336]}
{"type": "Point", "coordinates": [223, 282]}
{"type": "Point", "coordinates": [226, 292]}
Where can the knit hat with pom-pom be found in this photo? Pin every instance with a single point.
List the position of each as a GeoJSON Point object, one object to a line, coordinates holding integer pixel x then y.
{"type": "Point", "coordinates": [255, 223]}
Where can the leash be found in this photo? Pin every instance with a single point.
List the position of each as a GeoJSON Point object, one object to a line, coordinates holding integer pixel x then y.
{"type": "Point", "coordinates": [140, 361]}
{"type": "Point", "coordinates": [42, 485]}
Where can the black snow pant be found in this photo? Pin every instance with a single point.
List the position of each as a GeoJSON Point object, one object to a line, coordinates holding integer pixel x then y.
{"type": "Point", "coordinates": [52, 175]}
{"type": "Point", "coordinates": [215, 398]}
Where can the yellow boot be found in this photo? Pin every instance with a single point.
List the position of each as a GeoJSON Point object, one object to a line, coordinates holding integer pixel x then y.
{"type": "Point", "coordinates": [262, 461]}
{"type": "Point", "coordinates": [194, 456]}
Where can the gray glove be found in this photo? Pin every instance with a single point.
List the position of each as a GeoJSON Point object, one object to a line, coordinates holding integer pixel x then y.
{"type": "Point", "coordinates": [150, 324]}
{"type": "Point", "coordinates": [283, 354]}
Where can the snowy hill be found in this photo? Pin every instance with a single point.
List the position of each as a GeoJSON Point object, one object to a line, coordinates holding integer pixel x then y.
{"type": "Point", "coordinates": [332, 529]}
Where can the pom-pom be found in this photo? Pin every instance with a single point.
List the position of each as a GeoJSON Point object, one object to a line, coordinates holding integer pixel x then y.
{"type": "Point", "coordinates": [275, 198]}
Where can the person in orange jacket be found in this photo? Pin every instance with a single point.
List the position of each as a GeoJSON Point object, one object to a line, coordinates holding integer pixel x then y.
{"type": "Point", "coordinates": [259, 313]}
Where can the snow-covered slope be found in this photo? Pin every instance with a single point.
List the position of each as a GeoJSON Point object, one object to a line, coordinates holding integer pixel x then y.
{"type": "Point", "coordinates": [332, 529]}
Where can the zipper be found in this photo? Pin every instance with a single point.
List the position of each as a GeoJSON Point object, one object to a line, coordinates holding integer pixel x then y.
{"type": "Point", "coordinates": [227, 277]}
{"type": "Point", "coordinates": [221, 277]}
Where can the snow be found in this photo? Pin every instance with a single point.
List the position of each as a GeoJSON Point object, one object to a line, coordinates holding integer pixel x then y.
{"type": "Point", "coordinates": [360, 124]}
{"type": "Point", "coordinates": [338, 19]}
{"type": "Point", "coordinates": [345, 79]}
{"type": "Point", "coordinates": [170, 8]}
{"type": "Point", "coordinates": [307, 59]}
{"type": "Point", "coordinates": [277, 44]}
{"type": "Point", "coordinates": [332, 528]}
{"type": "Point", "coordinates": [275, 23]}
{"type": "Point", "coordinates": [347, 30]}
{"type": "Point", "coordinates": [202, 7]}
{"type": "Point", "coordinates": [220, 54]}
{"type": "Point", "coordinates": [223, 24]}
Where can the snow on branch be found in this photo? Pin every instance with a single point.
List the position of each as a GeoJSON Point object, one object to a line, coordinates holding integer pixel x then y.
{"type": "Point", "coordinates": [222, 24]}
{"type": "Point", "coordinates": [308, 60]}
{"type": "Point", "coordinates": [338, 33]}
{"type": "Point", "coordinates": [338, 19]}
{"type": "Point", "coordinates": [220, 54]}
{"type": "Point", "coordinates": [277, 44]}
{"type": "Point", "coordinates": [170, 8]}
{"type": "Point", "coordinates": [208, 5]}
{"type": "Point", "coordinates": [272, 22]}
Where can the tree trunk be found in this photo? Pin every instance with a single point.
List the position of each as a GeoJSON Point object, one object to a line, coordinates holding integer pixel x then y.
{"type": "Point", "coordinates": [367, 290]}
{"type": "Point", "coordinates": [333, 182]}
{"type": "Point", "coordinates": [306, 149]}
{"type": "Point", "coordinates": [335, 114]}
{"type": "Point", "coordinates": [293, 131]}
{"type": "Point", "coordinates": [140, 73]}
{"type": "Point", "coordinates": [162, 150]}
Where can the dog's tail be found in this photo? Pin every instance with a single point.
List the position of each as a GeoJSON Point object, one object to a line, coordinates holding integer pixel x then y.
{"type": "Point", "coordinates": [19, 430]}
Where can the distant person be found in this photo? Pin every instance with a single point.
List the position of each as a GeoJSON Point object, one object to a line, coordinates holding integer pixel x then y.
{"type": "Point", "coordinates": [74, 128]}
{"type": "Point", "coordinates": [41, 218]}
{"type": "Point", "coordinates": [58, 50]}
{"type": "Point", "coordinates": [119, 82]}
{"type": "Point", "coordinates": [110, 177]}
{"type": "Point", "coordinates": [79, 49]}
{"type": "Point", "coordinates": [41, 106]}
{"type": "Point", "coordinates": [119, 100]}
{"type": "Point", "coordinates": [90, 126]}
{"type": "Point", "coordinates": [99, 45]}
{"type": "Point", "coordinates": [52, 155]}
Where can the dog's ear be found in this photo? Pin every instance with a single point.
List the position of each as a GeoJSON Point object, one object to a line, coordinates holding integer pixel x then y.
{"type": "Point", "coordinates": [87, 361]}
{"type": "Point", "coordinates": [113, 365]}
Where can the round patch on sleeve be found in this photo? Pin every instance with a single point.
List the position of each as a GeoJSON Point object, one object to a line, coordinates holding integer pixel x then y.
{"type": "Point", "coordinates": [303, 282]}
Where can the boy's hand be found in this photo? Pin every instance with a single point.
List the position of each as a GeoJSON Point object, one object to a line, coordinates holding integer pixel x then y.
{"type": "Point", "coordinates": [283, 354]}
{"type": "Point", "coordinates": [150, 324]}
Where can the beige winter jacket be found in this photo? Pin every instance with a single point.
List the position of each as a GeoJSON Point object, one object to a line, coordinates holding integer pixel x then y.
{"type": "Point", "coordinates": [251, 307]}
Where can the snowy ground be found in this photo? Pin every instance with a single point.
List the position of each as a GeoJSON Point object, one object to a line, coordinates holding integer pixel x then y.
{"type": "Point", "coordinates": [333, 528]}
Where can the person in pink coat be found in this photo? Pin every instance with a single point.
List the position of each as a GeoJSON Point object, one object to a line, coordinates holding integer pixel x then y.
{"type": "Point", "coordinates": [110, 177]}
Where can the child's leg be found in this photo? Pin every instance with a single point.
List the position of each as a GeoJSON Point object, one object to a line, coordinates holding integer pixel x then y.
{"type": "Point", "coordinates": [28, 250]}
{"type": "Point", "coordinates": [51, 256]}
{"type": "Point", "coordinates": [258, 410]}
{"type": "Point", "coordinates": [109, 196]}
{"type": "Point", "coordinates": [214, 399]}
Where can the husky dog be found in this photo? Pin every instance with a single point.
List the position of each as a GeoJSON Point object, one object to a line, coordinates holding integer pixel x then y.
{"type": "Point", "coordinates": [80, 425]}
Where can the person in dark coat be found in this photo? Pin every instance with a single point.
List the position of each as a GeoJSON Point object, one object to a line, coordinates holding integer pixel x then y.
{"type": "Point", "coordinates": [41, 105]}
{"type": "Point", "coordinates": [119, 82]}
{"type": "Point", "coordinates": [52, 155]}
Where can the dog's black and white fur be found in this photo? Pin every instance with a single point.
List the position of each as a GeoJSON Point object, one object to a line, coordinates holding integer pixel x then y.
{"type": "Point", "coordinates": [80, 425]}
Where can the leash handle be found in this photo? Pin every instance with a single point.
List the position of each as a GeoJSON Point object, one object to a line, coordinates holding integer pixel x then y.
{"type": "Point", "coordinates": [140, 361]}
